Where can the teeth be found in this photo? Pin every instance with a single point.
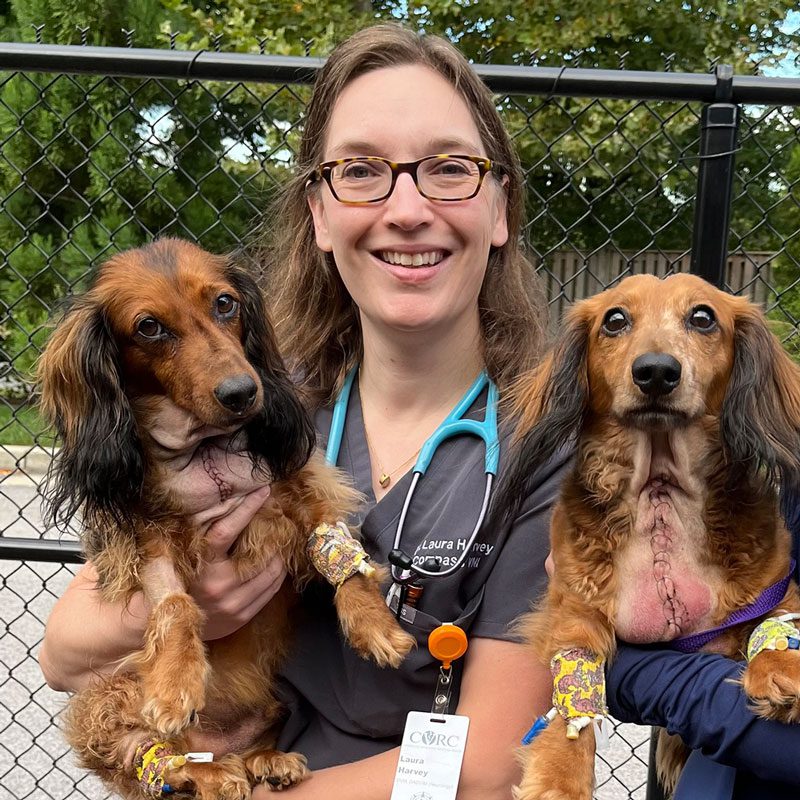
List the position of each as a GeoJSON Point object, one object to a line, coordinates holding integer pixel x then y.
{"type": "Point", "coordinates": [415, 260]}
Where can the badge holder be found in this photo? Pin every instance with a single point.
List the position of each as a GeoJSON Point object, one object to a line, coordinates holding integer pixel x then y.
{"type": "Point", "coordinates": [447, 643]}
{"type": "Point", "coordinates": [429, 765]}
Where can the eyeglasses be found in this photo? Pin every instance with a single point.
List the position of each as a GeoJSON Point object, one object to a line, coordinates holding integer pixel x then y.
{"type": "Point", "coordinates": [370, 179]}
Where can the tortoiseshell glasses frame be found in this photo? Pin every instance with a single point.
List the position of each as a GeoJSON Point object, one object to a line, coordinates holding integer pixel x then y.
{"type": "Point", "coordinates": [381, 174]}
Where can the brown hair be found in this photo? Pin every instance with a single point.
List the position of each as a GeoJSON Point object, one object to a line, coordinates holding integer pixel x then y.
{"type": "Point", "coordinates": [316, 319]}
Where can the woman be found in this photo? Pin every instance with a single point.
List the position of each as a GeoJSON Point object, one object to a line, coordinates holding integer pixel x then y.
{"type": "Point", "coordinates": [405, 267]}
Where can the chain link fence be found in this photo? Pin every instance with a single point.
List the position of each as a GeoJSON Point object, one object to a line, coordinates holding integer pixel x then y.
{"type": "Point", "coordinates": [103, 149]}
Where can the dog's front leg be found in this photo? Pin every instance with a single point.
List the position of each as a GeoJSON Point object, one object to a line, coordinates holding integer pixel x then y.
{"type": "Point", "coordinates": [557, 768]}
{"type": "Point", "coordinates": [172, 665]}
{"type": "Point", "coordinates": [576, 639]}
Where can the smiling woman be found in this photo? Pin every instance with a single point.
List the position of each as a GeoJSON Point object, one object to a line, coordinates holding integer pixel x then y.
{"type": "Point", "coordinates": [394, 259]}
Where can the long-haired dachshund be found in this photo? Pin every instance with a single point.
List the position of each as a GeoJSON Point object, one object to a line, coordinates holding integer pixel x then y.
{"type": "Point", "coordinates": [172, 323]}
{"type": "Point", "coordinates": [685, 414]}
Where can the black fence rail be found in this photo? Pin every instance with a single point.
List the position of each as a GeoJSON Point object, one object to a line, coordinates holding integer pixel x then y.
{"type": "Point", "coordinates": [105, 148]}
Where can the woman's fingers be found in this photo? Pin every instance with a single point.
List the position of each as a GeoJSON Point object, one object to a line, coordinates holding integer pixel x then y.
{"type": "Point", "coordinates": [233, 520]}
{"type": "Point", "coordinates": [230, 604]}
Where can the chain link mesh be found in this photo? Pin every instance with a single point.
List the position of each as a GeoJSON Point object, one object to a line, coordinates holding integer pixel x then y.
{"type": "Point", "coordinates": [93, 164]}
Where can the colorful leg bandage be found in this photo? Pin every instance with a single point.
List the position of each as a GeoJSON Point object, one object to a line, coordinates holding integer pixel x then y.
{"type": "Point", "coordinates": [152, 760]}
{"type": "Point", "coordinates": [579, 688]}
{"type": "Point", "coordinates": [774, 633]}
{"type": "Point", "coordinates": [336, 555]}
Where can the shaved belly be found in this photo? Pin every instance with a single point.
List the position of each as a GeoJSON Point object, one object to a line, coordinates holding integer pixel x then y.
{"type": "Point", "coordinates": [663, 592]}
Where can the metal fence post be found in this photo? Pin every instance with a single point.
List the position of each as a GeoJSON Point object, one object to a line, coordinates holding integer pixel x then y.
{"type": "Point", "coordinates": [712, 211]}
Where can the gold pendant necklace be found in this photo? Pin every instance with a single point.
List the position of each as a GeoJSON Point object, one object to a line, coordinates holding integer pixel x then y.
{"type": "Point", "coordinates": [385, 477]}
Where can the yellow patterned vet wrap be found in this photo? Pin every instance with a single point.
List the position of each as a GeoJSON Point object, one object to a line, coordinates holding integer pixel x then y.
{"type": "Point", "coordinates": [774, 633]}
{"type": "Point", "coordinates": [336, 555]}
{"type": "Point", "coordinates": [579, 687]}
{"type": "Point", "coordinates": [152, 760]}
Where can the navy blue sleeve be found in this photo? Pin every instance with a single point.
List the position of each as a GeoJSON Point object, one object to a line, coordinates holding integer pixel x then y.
{"type": "Point", "coordinates": [694, 696]}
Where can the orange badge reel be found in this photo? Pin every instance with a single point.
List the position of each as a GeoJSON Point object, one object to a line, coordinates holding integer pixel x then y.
{"type": "Point", "coordinates": [447, 643]}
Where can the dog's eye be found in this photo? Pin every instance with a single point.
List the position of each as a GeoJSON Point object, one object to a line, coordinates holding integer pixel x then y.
{"type": "Point", "coordinates": [702, 318]}
{"type": "Point", "coordinates": [615, 321]}
{"type": "Point", "coordinates": [226, 305]}
{"type": "Point", "coordinates": [150, 328]}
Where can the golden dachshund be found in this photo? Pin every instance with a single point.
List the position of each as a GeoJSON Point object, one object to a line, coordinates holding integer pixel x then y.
{"type": "Point", "coordinates": [685, 414]}
{"type": "Point", "coordinates": [170, 322]}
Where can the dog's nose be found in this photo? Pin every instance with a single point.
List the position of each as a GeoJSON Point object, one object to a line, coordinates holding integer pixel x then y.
{"type": "Point", "coordinates": [656, 374]}
{"type": "Point", "coordinates": [237, 394]}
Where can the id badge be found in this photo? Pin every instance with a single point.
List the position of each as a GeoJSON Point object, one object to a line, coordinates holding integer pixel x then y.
{"type": "Point", "coordinates": [430, 757]}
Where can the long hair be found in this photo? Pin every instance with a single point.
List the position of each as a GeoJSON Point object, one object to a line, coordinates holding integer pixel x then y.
{"type": "Point", "coordinates": [316, 319]}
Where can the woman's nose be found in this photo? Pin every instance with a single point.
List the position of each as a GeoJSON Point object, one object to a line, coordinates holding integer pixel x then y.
{"type": "Point", "coordinates": [406, 207]}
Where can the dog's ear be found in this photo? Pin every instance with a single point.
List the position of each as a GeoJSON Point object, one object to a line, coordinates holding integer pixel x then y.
{"type": "Point", "coordinates": [548, 407]}
{"type": "Point", "coordinates": [283, 434]}
{"type": "Point", "coordinates": [100, 466]}
{"type": "Point", "coordinates": [760, 420]}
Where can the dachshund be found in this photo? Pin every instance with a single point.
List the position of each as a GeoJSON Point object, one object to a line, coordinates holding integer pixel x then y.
{"type": "Point", "coordinates": [171, 323]}
{"type": "Point", "coordinates": [684, 412]}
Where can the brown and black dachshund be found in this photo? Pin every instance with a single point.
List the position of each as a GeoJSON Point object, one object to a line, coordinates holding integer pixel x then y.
{"type": "Point", "coordinates": [170, 322]}
{"type": "Point", "coordinates": [685, 414]}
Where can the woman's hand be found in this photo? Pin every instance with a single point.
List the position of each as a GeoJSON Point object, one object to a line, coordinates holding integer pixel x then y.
{"type": "Point", "coordinates": [228, 601]}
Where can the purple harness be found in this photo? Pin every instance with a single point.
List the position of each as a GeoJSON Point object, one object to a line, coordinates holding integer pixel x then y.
{"type": "Point", "coordinates": [763, 604]}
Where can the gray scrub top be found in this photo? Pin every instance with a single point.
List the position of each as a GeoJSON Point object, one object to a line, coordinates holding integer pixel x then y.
{"type": "Point", "coordinates": [342, 708]}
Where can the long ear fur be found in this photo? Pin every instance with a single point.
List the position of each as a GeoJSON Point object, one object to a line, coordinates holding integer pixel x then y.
{"type": "Point", "coordinates": [283, 434]}
{"type": "Point", "coordinates": [760, 421]}
{"type": "Point", "coordinates": [100, 466]}
{"type": "Point", "coordinates": [548, 406]}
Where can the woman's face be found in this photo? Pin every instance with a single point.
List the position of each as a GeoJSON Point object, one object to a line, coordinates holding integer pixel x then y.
{"type": "Point", "coordinates": [405, 113]}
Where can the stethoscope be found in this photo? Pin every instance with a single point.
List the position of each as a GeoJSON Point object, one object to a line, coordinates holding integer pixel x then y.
{"type": "Point", "coordinates": [402, 567]}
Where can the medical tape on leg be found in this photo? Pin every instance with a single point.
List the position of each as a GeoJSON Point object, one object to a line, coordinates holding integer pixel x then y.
{"type": "Point", "coordinates": [336, 555]}
{"type": "Point", "coordinates": [774, 633]}
{"type": "Point", "coordinates": [152, 760]}
{"type": "Point", "coordinates": [579, 688]}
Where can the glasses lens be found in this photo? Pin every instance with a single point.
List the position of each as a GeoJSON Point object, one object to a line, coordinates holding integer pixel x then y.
{"type": "Point", "coordinates": [448, 178]}
{"type": "Point", "coordinates": [361, 181]}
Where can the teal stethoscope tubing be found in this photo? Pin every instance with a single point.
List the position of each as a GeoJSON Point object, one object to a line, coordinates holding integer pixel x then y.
{"type": "Point", "coordinates": [453, 425]}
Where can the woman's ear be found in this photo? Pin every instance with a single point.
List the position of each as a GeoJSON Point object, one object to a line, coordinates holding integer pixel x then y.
{"type": "Point", "coordinates": [320, 218]}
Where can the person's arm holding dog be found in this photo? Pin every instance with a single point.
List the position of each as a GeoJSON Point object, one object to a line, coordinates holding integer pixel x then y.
{"type": "Point", "coordinates": [73, 652]}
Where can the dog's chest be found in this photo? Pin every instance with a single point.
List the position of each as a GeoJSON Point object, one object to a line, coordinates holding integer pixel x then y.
{"type": "Point", "coordinates": [220, 735]}
{"type": "Point", "coordinates": [665, 587]}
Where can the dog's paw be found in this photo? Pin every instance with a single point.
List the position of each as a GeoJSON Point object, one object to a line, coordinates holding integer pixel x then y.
{"type": "Point", "coordinates": [772, 683]}
{"type": "Point", "coordinates": [226, 779]}
{"type": "Point", "coordinates": [387, 647]}
{"type": "Point", "coordinates": [277, 770]}
{"type": "Point", "coordinates": [368, 625]}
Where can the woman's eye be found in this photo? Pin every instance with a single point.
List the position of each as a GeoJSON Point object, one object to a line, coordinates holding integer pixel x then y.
{"type": "Point", "coordinates": [702, 318]}
{"type": "Point", "coordinates": [360, 169]}
{"type": "Point", "coordinates": [150, 328]}
{"type": "Point", "coordinates": [615, 321]}
{"type": "Point", "coordinates": [226, 305]}
{"type": "Point", "coordinates": [451, 168]}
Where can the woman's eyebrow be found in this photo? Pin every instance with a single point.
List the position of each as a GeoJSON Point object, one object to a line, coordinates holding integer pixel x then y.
{"type": "Point", "coordinates": [350, 148]}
